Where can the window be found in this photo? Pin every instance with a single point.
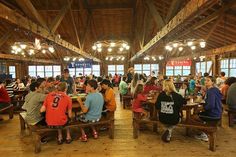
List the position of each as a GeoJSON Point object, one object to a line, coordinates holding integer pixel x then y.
{"type": "Point", "coordinates": [87, 71]}
{"type": "Point", "coordinates": [96, 70]}
{"type": "Point", "coordinates": [228, 66]}
{"type": "Point", "coordinates": [146, 68]}
{"type": "Point", "coordinates": [120, 69]}
{"type": "Point", "coordinates": [177, 70]}
{"type": "Point", "coordinates": [44, 71]}
{"type": "Point", "coordinates": [32, 71]}
{"type": "Point", "coordinates": [12, 71]}
{"type": "Point", "coordinates": [205, 66]}
{"type": "Point", "coordinates": [111, 69]}
{"type": "Point", "coordinates": [48, 71]}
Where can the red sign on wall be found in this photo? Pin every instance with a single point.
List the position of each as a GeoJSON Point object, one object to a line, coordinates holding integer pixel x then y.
{"type": "Point", "coordinates": [179, 63]}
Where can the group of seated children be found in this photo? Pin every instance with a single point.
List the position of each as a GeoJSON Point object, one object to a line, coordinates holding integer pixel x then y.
{"type": "Point", "coordinates": [58, 107]}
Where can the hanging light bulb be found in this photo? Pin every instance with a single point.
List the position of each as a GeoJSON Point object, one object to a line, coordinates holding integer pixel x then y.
{"type": "Point", "coordinates": [23, 46]}
{"type": "Point", "coordinates": [202, 44]}
{"type": "Point", "coordinates": [175, 45]}
{"type": "Point", "coordinates": [107, 58]}
{"type": "Point", "coordinates": [111, 58]}
{"type": "Point", "coordinates": [121, 48]}
{"type": "Point", "coordinates": [161, 57]}
{"type": "Point", "coordinates": [94, 47]}
{"type": "Point", "coordinates": [99, 45]}
{"type": "Point", "coordinates": [74, 59]}
{"type": "Point", "coordinates": [109, 49]}
{"type": "Point", "coordinates": [99, 49]}
{"type": "Point", "coordinates": [51, 49]}
{"type": "Point", "coordinates": [81, 59]}
{"type": "Point", "coordinates": [123, 58]}
{"type": "Point", "coordinates": [193, 47]}
{"type": "Point", "coordinates": [124, 45]}
{"type": "Point", "coordinates": [112, 44]}
{"type": "Point", "coordinates": [43, 51]}
{"type": "Point", "coordinates": [14, 47]}
{"type": "Point", "coordinates": [127, 47]}
{"type": "Point", "coordinates": [180, 48]}
{"type": "Point", "coordinates": [189, 43]}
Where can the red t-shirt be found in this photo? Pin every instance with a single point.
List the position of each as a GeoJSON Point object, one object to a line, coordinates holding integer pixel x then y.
{"type": "Point", "coordinates": [4, 97]}
{"type": "Point", "coordinates": [57, 104]}
{"type": "Point", "coordinates": [136, 105]}
{"type": "Point", "coordinates": [148, 88]}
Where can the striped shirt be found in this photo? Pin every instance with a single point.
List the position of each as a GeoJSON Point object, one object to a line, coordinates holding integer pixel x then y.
{"type": "Point", "coordinates": [10, 89]}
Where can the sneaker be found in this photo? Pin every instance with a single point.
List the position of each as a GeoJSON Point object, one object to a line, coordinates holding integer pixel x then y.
{"type": "Point", "coordinates": [202, 137]}
{"type": "Point", "coordinates": [43, 140]}
{"type": "Point", "coordinates": [166, 136]}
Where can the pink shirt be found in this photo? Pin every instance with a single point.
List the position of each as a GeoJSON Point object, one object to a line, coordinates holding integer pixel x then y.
{"type": "Point", "coordinates": [136, 105]}
{"type": "Point", "coordinates": [148, 88]}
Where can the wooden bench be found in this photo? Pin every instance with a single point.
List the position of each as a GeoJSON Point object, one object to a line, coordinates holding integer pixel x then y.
{"type": "Point", "coordinates": [209, 128]}
{"type": "Point", "coordinates": [137, 121]}
{"type": "Point", "coordinates": [39, 131]}
{"type": "Point", "coordinates": [126, 100]}
{"type": "Point", "coordinates": [231, 116]}
{"type": "Point", "coordinates": [9, 110]}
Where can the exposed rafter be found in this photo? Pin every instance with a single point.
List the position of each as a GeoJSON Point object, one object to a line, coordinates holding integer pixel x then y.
{"type": "Point", "coordinates": [155, 14]}
{"type": "Point", "coordinates": [56, 22]}
{"type": "Point", "coordinates": [213, 27]}
{"type": "Point", "coordinates": [30, 11]}
{"type": "Point", "coordinates": [87, 27]}
{"type": "Point", "coordinates": [21, 58]}
{"type": "Point", "coordinates": [17, 19]}
{"type": "Point", "coordinates": [5, 37]}
{"type": "Point", "coordinates": [191, 8]}
{"type": "Point", "coordinates": [174, 7]}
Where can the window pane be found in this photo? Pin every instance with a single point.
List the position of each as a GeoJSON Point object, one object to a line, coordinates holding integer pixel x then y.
{"type": "Point", "coordinates": [120, 69]}
{"type": "Point", "coordinates": [40, 73]}
{"type": "Point", "coordinates": [111, 69]}
{"type": "Point", "coordinates": [72, 71]}
{"type": "Point", "coordinates": [186, 72]}
{"type": "Point", "coordinates": [96, 70]}
{"type": "Point", "coordinates": [32, 70]}
{"type": "Point", "coordinates": [138, 67]}
{"type": "Point", "coordinates": [146, 67]}
{"type": "Point", "coordinates": [186, 67]}
{"type": "Point", "coordinates": [198, 68]}
{"type": "Point", "coordinates": [178, 72]}
{"type": "Point", "coordinates": [40, 68]}
{"type": "Point", "coordinates": [57, 68]}
{"type": "Point", "coordinates": [169, 67]}
{"type": "Point", "coordinates": [226, 71]}
{"type": "Point", "coordinates": [87, 71]}
{"type": "Point", "coordinates": [79, 71]}
{"type": "Point", "coordinates": [48, 74]}
{"type": "Point", "coordinates": [55, 73]}
{"type": "Point", "coordinates": [178, 67]}
{"type": "Point", "coordinates": [48, 68]}
{"type": "Point", "coordinates": [169, 72]}
{"type": "Point", "coordinates": [232, 72]}
{"type": "Point", "coordinates": [209, 64]}
{"type": "Point", "coordinates": [12, 71]}
{"type": "Point", "coordinates": [232, 63]}
{"type": "Point", "coordinates": [147, 72]}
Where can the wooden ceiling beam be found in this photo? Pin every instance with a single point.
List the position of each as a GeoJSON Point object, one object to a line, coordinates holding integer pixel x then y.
{"type": "Point", "coordinates": [173, 10]}
{"type": "Point", "coordinates": [17, 19]}
{"type": "Point", "coordinates": [193, 7]}
{"type": "Point", "coordinates": [155, 14]}
{"type": "Point", "coordinates": [57, 21]}
{"type": "Point", "coordinates": [30, 11]}
{"type": "Point", "coordinates": [213, 27]}
{"type": "Point", "coordinates": [87, 27]}
{"type": "Point", "coordinates": [21, 58]}
{"type": "Point", "coordinates": [208, 19]}
{"type": "Point", "coordinates": [5, 37]}
{"type": "Point", "coordinates": [75, 28]}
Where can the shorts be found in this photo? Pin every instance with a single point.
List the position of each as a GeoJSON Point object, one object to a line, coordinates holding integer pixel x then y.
{"type": "Point", "coordinates": [58, 126]}
{"type": "Point", "coordinates": [82, 119]}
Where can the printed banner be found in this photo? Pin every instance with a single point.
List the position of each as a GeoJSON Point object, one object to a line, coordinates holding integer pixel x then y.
{"type": "Point", "coordinates": [179, 63]}
{"type": "Point", "coordinates": [81, 64]}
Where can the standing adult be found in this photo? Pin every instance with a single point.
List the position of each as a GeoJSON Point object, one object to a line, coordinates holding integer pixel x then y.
{"type": "Point", "coordinates": [69, 80]}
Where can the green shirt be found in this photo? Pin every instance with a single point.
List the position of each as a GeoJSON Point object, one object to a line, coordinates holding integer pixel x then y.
{"type": "Point", "coordinates": [123, 87]}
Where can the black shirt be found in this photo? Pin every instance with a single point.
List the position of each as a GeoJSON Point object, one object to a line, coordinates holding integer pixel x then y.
{"type": "Point", "coordinates": [169, 107]}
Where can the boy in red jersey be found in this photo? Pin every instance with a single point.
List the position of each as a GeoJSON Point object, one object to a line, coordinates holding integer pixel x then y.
{"type": "Point", "coordinates": [4, 98]}
{"type": "Point", "coordinates": [56, 105]}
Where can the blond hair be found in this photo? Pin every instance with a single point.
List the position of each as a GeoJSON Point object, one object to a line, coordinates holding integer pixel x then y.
{"type": "Point", "coordinates": [168, 86]}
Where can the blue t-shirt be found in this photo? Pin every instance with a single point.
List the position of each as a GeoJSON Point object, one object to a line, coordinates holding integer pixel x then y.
{"type": "Point", "coordinates": [94, 102]}
{"type": "Point", "coordinates": [191, 86]}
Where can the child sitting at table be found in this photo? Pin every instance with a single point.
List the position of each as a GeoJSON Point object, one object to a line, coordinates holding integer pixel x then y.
{"type": "Point", "coordinates": [169, 103]}
{"type": "Point", "coordinates": [139, 97]}
{"type": "Point", "coordinates": [92, 108]}
{"type": "Point", "coordinates": [56, 105]}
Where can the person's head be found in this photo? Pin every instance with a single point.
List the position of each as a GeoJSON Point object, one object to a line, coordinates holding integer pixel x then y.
{"type": "Point", "coordinates": [34, 86]}
{"type": "Point", "coordinates": [91, 85]}
{"type": "Point", "coordinates": [230, 81]}
{"type": "Point", "coordinates": [168, 86]}
{"type": "Point", "coordinates": [184, 85]}
{"type": "Point", "coordinates": [209, 82]}
{"type": "Point", "coordinates": [99, 79]}
{"type": "Point", "coordinates": [152, 81]}
{"type": "Point", "coordinates": [1, 84]}
{"type": "Point", "coordinates": [8, 81]}
{"type": "Point", "coordinates": [124, 78]}
{"type": "Point", "coordinates": [222, 74]}
{"type": "Point", "coordinates": [105, 84]}
{"type": "Point", "coordinates": [18, 80]}
{"type": "Point", "coordinates": [42, 82]}
{"type": "Point", "coordinates": [138, 89]}
{"type": "Point", "coordinates": [50, 81]}
{"type": "Point", "coordinates": [62, 87]}
{"type": "Point", "coordinates": [66, 73]}
{"type": "Point", "coordinates": [206, 74]}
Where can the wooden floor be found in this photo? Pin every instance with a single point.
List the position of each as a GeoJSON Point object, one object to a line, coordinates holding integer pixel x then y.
{"type": "Point", "coordinates": [148, 143]}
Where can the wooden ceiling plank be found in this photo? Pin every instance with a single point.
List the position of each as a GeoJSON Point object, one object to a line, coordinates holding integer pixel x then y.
{"type": "Point", "coordinates": [17, 19]}
{"type": "Point", "coordinates": [75, 29]}
{"type": "Point", "coordinates": [173, 10]}
{"type": "Point", "coordinates": [87, 27]}
{"type": "Point", "coordinates": [5, 37]}
{"type": "Point", "coordinates": [155, 14]}
{"type": "Point", "coordinates": [190, 9]}
{"type": "Point", "coordinates": [30, 11]}
{"type": "Point", "coordinates": [21, 58]}
{"type": "Point", "coordinates": [57, 21]}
